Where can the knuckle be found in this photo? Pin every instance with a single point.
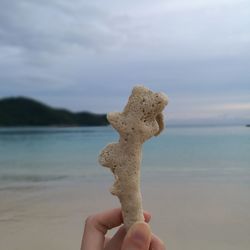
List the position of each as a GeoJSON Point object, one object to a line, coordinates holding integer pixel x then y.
{"type": "Point", "coordinates": [90, 220]}
{"type": "Point", "coordinates": [93, 221]}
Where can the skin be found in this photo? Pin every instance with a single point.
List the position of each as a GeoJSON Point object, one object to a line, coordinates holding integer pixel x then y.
{"type": "Point", "coordinates": [138, 237]}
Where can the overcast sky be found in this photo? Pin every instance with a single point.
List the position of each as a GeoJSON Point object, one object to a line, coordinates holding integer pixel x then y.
{"type": "Point", "coordinates": [87, 55]}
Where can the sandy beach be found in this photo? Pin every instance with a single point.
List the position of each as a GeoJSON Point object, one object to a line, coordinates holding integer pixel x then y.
{"type": "Point", "coordinates": [186, 215]}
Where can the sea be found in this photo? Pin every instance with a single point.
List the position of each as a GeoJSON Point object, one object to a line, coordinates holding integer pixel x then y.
{"type": "Point", "coordinates": [34, 156]}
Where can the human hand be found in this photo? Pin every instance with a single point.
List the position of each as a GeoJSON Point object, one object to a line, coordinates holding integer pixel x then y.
{"type": "Point", "coordinates": [138, 237]}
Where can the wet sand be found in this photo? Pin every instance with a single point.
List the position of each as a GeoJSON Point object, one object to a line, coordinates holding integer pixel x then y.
{"type": "Point", "coordinates": [186, 214]}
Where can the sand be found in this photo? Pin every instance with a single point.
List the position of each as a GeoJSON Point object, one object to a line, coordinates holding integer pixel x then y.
{"type": "Point", "coordinates": [185, 214]}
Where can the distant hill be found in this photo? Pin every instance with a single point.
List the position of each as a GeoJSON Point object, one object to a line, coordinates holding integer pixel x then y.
{"type": "Point", "coordinates": [22, 111]}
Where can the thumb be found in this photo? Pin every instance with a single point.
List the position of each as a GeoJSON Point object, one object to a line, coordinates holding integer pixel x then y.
{"type": "Point", "coordinates": [138, 237]}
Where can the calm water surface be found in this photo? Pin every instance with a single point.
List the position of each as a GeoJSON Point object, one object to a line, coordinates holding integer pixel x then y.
{"type": "Point", "coordinates": [46, 155]}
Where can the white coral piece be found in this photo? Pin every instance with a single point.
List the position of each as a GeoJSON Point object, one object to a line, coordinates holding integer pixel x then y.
{"type": "Point", "coordinates": [141, 119]}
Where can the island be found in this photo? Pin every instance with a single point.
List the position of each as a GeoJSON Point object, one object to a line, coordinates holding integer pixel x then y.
{"type": "Point", "coordinates": [23, 111]}
{"type": "Point", "coordinates": [248, 125]}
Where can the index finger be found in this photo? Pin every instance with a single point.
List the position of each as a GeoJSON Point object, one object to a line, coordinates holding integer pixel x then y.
{"type": "Point", "coordinates": [96, 226]}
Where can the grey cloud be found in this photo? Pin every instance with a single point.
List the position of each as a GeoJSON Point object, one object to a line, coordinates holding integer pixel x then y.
{"type": "Point", "coordinates": [62, 51]}
{"type": "Point", "coordinates": [57, 26]}
{"type": "Point", "coordinates": [40, 39]}
{"type": "Point", "coordinates": [53, 25]}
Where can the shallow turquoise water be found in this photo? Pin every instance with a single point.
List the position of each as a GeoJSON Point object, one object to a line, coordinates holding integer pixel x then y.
{"type": "Point", "coordinates": [45, 155]}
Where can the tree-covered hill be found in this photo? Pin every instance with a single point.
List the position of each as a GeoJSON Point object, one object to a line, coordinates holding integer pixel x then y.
{"type": "Point", "coordinates": [22, 111]}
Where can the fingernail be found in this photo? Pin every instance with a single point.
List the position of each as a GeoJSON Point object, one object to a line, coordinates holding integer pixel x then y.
{"type": "Point", "coordinates": [140, 234]}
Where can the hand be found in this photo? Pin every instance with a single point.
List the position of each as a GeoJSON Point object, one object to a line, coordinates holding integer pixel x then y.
{"type": "Point", "coordinates": [138, 237]}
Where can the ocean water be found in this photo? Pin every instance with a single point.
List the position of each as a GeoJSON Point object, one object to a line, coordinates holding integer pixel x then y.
{"type": "Point", "coordinates": [35, 156]}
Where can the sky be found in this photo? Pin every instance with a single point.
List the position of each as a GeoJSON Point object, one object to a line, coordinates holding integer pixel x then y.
{"type": "Point", "coordinates": [88, 55]}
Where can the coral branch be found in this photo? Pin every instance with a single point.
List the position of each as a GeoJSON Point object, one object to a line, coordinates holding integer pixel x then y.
{"type": "Point", "coordinates": [141, 119]}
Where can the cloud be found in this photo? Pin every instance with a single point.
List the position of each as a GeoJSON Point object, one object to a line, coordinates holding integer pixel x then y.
{"type": "Point", "coordinates": [234, 107]}
{"type": "Point", "coordinates": [72, 52]}
{"type": "Point", "coordinates": [196, 112]}
{"type": "Point", "coordinates": [50, 26]}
